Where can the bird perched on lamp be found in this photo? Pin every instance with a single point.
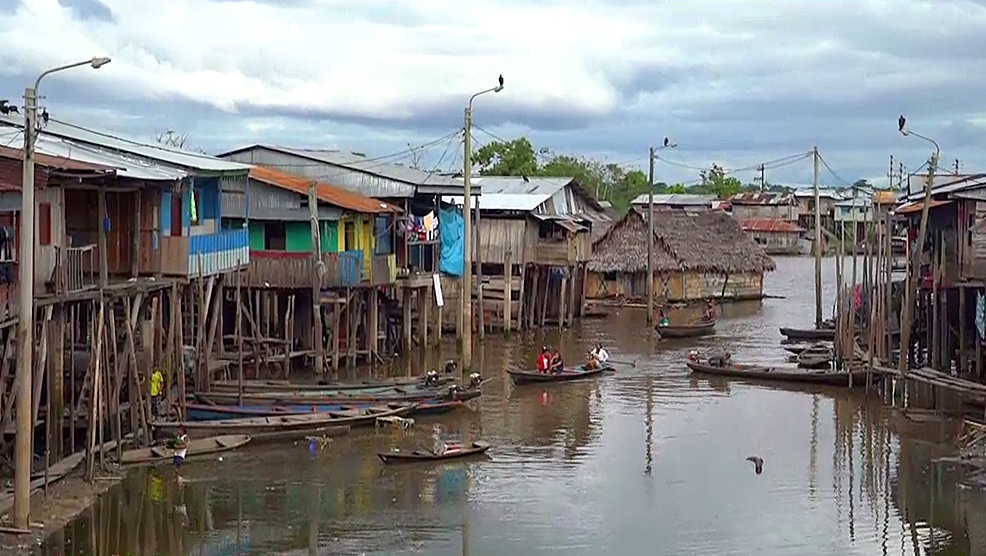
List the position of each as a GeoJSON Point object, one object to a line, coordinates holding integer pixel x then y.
{"type": "Point", "coordinates": [901, 122]}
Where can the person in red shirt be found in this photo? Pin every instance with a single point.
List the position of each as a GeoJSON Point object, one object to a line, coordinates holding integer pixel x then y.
{"type": "Point", "coordinates": [544, 360]}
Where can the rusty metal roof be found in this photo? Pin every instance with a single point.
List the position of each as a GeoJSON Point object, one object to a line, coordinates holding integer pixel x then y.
{"type": "Point", "coordinates": [770, 225]}
{"type": "Point", "coordinates": [325, 192]}
{"type": "Point", "coordinates": [56, 162]}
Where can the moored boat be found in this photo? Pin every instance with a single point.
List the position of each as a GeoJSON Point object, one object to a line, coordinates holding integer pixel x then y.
{"type": "Point", "coordinates": [808, 333]}
{"type": "Point", "coordinates": [575, 373]}
{"type": "Point", "coordinates": [341, 397]}
{"type": "Point", "coordinates": [428, 379]}
{"type": "Point", "coordinates": [212, 412]}
{"type": "Point", "coordinates": [757, 372]}
{"type": "Point", "coordinates": [395, 456]}
{"type": "Point", "coordinates": [816, 357]}
{"type": "Point", "coordinates": [291, 422]}
{"type": "Point", "coordinates": [686, 330]}
{"type": "Point", "coordinates": [196, 447]}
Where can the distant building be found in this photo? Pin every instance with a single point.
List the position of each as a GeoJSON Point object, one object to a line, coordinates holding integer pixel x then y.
{"type": "Point", "coordinates": [765, 205]}
{"type": "Point", "coordinates": [777, 237]}
{"type": "Point", "coordinates": [676, 201]}
{"type": "Point", "coordinates": [828, 199]}
{"type": "Point", "coordinates": [696, 255]}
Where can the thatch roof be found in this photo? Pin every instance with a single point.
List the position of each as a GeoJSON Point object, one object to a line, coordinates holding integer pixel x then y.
{"type": "Point", "coordinates": [706, 242]}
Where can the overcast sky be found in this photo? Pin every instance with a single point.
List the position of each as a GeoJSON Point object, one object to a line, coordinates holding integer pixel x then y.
{"type": "Point", "coordinates": [733, 82]}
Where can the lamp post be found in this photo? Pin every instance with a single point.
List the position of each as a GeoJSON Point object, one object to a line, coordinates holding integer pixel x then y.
{"type": "Point", "coordinates": [466, 297]}
{"type": "Point", "coordinates": [650, 228]}
{"type": "Point", "coordinates": [25, 324]}
{"type": "Point", "coordinates": [912, 283]}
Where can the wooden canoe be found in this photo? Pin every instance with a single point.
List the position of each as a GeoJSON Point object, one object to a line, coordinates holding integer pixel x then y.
{"type": "Point", "coordinates": [284, 385]}
{"type": "Point", "coordinates": [576, 373]}
{"type": "Point", "coordinates": [808, 333]}
{"type": "Point", "coordinates": [802, 376]}
{"type": "Point", "coordinates": [196, 447]}
{"type": "Point", "coordinates": [207, 412]}
{"type": "Point", "coordinates": [395, 456]}
{"type": "Point", "coordinates": [687, 330]}
{"type": "Point", "coordinates": [310, 421]}
{"type": "Point", "coordinates": [816, 357]}
{"type": "Point", "coordinates": [341, 397]}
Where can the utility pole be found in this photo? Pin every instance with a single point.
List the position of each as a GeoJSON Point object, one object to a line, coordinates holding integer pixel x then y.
{"type": "Point", "coordinates": [818, 244]}
{"type": "Point", "coordinates": [467, 247]}
{"type": "Point", "coordinates": [914, 267]}
{"type": "Point", "coordinates": [23, 440]}
{"type": "Point", "coordinates": [763, 180]}
{"type": "Point", "coordinates": [900, 176]}
{"type": "Point", "coordinates": [650, 239]}
{"type": "Point", "coordinates": [25, 325]}
{"type": "Point", "coordinates": [465, 319]}
{"type": "Point", "coordinates": [890, 176]}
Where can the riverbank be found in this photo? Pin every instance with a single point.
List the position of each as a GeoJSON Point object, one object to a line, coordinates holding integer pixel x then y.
{"type": "Point", "coordinates": [66, 500]}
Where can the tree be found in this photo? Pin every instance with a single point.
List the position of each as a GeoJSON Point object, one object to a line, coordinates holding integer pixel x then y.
{"type": "Point", "coordinates": [513, 158]}
{"type": "Point", "coordinates": [176, 140]}
{"type": "Point", "coordinates": [715, 181]}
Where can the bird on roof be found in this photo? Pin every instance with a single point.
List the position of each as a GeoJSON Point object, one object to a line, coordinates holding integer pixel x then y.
{"type": "Point", "coordinates": [757, 463]}
{"type": "Point", "coordinates": [901, 122]}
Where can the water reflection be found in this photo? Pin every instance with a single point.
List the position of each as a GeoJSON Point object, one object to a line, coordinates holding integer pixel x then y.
{"type": "Point", "coordinates": [842, 474]}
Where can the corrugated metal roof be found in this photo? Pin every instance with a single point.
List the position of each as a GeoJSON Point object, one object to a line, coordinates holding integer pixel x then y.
{"type": "Point", "coordinates": [116, 142]}
{"type": "Point", "coordinates": [55, 162]}
{"type": "Point", "coordinates": [769, 225]}
{"type": "Point", "coordinates": [676, 199]}
{"type": "Point", "coordinates": [325, 192]}
{"type": "Point", "coordinates": [124, 165]}
{"type": "Point", "coordinates": [762, 198]}
{"type": "Point", "coordinates": [520, 193]}
{"type": "Point", "coordinates": [803, 193]}
{"type": "Point", "coordinates": [369, 176]}
{"type": "Point", "coordinates": [947, 184]}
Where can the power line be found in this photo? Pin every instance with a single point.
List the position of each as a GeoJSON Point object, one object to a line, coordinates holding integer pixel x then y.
{"type": "Point", "coordinates": [831, 171]}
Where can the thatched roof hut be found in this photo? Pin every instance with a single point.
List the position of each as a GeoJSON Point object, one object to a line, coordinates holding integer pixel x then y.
{"type": "Point", "coordinates": [704, 242]}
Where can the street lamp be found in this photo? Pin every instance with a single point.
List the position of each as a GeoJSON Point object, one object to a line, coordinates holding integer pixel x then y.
{"type": "Point", "coordinates": [912, 283]}
{"type": "Point", "coordinates": [25, 324]}
{"type": "Point", "coordinates": [650, 228]}
{"type": "Point", "coordinates": [466, 297]}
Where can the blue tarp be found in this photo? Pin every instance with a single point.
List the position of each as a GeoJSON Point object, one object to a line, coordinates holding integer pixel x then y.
{"type": "Point", "coordinates": [450, 230]}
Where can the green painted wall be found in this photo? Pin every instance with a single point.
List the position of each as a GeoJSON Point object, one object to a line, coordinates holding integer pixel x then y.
{"type": "Point", "coordinates": [257, 236]}
{"type": "Point", "coordinates": [297, 237]}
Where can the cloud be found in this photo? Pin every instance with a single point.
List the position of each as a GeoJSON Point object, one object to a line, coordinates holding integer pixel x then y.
{"type": "Point", "coordinates": [734, 83]}
{"type": "Point", "coordinates": [88, 9]}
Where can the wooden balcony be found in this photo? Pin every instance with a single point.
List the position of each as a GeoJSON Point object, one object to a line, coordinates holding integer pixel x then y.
{"type": "Point", "coordinates": [345, 269]}
{"type": "Point", "coordinates": [193, 256]}
{"type": "Point", "coordinates": [76, 268]}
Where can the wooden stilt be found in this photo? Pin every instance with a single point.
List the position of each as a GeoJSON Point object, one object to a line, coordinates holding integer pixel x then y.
{"type": "Point", "coordinates": [562, 307]}
{"type": "Point", "coordinates": [132, 310]}
{"type": "Point", "coordinates": [336, 334]}
{"type": "Point", "coordinates": [508, 291]}
{"type": "Point", "coordinates": [73, 395]}
{"type": "Point", "coordinates": [963, 367]}
{"type": "Point", "coordinates": [239, 336]}
{"type": "Point", "coordinates": [547, 291]}
{"type": "Point", "coordinates": [113, 371]}
{"type": "Point", "coordinates": [373, 332]}
{"type": "Point", "coordinates": [407, 319]}
{"type": "Point", "coordinates": [520, 296]}
{"type": "Point", "coordinates": [94, 426]}
{"type": "Point", "coordinates": [425, 316]}
{"type": "Point", "coordinates": [571, 294]}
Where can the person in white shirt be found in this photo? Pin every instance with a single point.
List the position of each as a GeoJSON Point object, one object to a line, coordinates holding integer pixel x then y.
{"type": "Point", "coordinates": [599, 355]}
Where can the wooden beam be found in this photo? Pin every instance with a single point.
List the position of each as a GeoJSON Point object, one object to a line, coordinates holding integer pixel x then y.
{"type": "Point", "coordinates": [520, 300]}
{"type": "Point", "coordinates": [135, 379]}
{"type": "Point", "coordinates": [103, 222]}
{"type": "Point", "coordinates": [319, 329]}
{"type": "Point", "coordinates": [374, 325]}
{"type": "Point", "coordinates": [135, 263]}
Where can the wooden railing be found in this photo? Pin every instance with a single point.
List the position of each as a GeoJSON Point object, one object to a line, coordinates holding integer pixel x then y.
{"type": "Point", "coordinates": [76, 268]}
{"type": "Point", "coordinates": [345, 269]}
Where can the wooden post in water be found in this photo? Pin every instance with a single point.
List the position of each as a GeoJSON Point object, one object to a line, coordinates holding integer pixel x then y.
{"type": "Point", "coordinates": [373, 332]}
{"type": "Point", "coordinates": [316, 281]}
{"type": "Point", "coordinates": [479, 276]}
{"type": "Point", "coordinates": [963, 367]}
{"type": "Point", "coordinates": [818, 244]}
{"type": "Point", "coordinates": [508, 291]}
{"type": "Point", "coordinates": [520, 297]}
{"type": "Point", "coordinates": [561, 300]}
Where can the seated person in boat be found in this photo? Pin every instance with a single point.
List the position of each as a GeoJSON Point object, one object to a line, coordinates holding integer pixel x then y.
{"type": "Point", "coordinates": [557, 365]}
{"type": "Point", "coordinates": [710, 311]}
{"type": "Point", "coordinates": [663, 318]}
{"type": "Point", "coordinates": [591, 363]}
{"type": "Point", "coordinates": [599, 354]}
{"type": "Point", "coordinates": [544, 360]}
{"type": "Point", "coordinates": [181, 447]}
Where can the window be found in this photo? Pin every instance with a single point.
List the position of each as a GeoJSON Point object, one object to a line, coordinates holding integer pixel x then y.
{"type": "Point", "coordinates": [44, 223]}
{"type": "Point", "coordinates": [275, 238]}
{"type": "Point", "coordinates": [176, 214]}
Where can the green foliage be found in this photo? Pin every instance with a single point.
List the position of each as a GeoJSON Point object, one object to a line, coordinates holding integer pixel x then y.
{"type": "Point", "coordinates": [514, 158]}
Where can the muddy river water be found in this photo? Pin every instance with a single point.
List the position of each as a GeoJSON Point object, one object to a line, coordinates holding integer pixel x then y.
{"type": "Point", "coordinates": [649, 460]}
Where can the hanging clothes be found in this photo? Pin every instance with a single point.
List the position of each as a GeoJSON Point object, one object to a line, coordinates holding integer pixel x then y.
{"type": "Point", "coordinates": [193, 209]}
{"type": "Point", "coordinates": [980, 314]}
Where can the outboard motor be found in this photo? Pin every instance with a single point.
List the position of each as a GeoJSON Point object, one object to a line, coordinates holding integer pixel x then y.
{"type": "Point", "coordinates": [474, 380]}
{"type": "Point", "coordinates": [721, 359]}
